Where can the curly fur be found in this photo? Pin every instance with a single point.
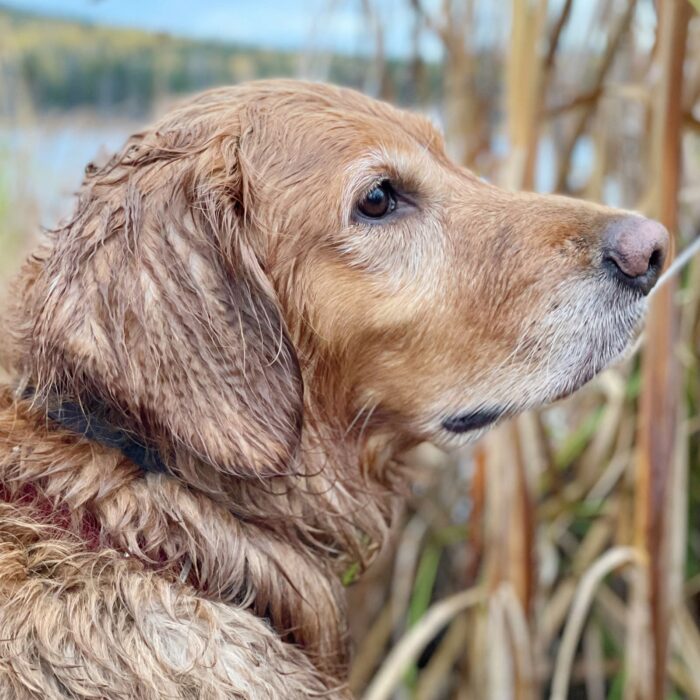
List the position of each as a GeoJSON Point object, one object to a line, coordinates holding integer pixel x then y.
{"type": "Point", "coordinates": [213, 296]}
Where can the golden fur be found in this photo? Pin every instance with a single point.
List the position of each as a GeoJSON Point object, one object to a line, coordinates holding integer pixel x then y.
{"type": "Point", "coordinates": [215, 295]}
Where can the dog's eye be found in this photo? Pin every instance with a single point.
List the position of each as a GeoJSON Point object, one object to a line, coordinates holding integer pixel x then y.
{"type": "Point", "coordinates": [378, 202]}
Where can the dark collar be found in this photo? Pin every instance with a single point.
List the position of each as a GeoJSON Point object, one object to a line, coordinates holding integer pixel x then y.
{"type": "Point", "coordinates": [89, 425]}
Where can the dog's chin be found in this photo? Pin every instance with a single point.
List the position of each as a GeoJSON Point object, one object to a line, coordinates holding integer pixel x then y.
{"type": "Point", "coordinates": [464, 426]}
{"type": "Point", "coordinates": [617, 350]}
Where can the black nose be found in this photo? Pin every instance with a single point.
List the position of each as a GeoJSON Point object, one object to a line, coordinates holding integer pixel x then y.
{"type": "Point", "coordinates": [634, 251]}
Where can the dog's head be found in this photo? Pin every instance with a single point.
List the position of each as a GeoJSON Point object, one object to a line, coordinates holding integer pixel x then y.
{"type": "Point", "coordinates": [282, 234]}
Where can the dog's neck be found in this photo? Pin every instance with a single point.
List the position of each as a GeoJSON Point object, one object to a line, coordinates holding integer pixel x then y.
{"type": "Point", "coordinates": [278, 546]}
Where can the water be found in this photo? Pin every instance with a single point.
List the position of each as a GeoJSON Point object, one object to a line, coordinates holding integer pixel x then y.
{"type": "Point", "coordinates": [44, 162]}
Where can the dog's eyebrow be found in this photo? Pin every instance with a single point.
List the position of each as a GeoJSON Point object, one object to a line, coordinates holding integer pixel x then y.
{"type": "Point", "coordinates": [399, 167]}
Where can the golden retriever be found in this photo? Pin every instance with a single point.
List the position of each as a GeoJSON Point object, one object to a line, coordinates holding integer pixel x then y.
{"type": "Point", "coordinates": [258, 304]}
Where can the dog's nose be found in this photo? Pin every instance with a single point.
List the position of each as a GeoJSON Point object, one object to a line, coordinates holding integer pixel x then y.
{"type": "Point", "coordinates": [634, 251]}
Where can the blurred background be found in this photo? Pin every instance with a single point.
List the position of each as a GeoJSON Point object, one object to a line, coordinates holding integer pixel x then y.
{"type": "Point", "coordinates": [560, 556]}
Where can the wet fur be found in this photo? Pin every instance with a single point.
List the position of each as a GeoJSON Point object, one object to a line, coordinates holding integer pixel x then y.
{"type": "Point", "coordinates": [212, 295]}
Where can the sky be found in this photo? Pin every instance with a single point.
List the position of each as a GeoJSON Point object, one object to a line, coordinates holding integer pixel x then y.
{"type": "Point", "coordinates": [334, 25]}
{"type": "Point", "coordinates": [284, 24]}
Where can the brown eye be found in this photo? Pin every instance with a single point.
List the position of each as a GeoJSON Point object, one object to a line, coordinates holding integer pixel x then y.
{"type": "Point", "coordinates": [378, 202]}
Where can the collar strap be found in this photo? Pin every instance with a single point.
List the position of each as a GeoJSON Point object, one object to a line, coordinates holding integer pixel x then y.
{"type": "Point", "coordinates": [90, 426]}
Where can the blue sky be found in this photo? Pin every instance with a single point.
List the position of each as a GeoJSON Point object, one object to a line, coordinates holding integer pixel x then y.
{"type": "Point", "coordinates": [336, 25]}
{"type": "Point", "coordinates": [287, 24]}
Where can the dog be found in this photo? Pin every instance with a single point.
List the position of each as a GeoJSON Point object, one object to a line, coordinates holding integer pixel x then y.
{"type": "Point", "coordinates": [258, 305]}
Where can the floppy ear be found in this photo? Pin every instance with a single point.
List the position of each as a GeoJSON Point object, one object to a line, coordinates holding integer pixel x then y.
{"type": "Point", "coordinates": [152, 300]}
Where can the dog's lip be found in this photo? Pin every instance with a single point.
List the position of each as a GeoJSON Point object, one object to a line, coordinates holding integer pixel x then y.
{"type": "Point", "coordinates": [467, 421]}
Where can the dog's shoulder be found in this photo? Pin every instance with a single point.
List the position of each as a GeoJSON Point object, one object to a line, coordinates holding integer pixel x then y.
{"type": "Point", "coordinates": [82, 619]}
{"type": "Point", "coordinates": [80, 623]}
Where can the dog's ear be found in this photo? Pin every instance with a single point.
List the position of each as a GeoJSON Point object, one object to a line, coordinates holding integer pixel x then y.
{"type": "Point", "coordinates": [153, 299]}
